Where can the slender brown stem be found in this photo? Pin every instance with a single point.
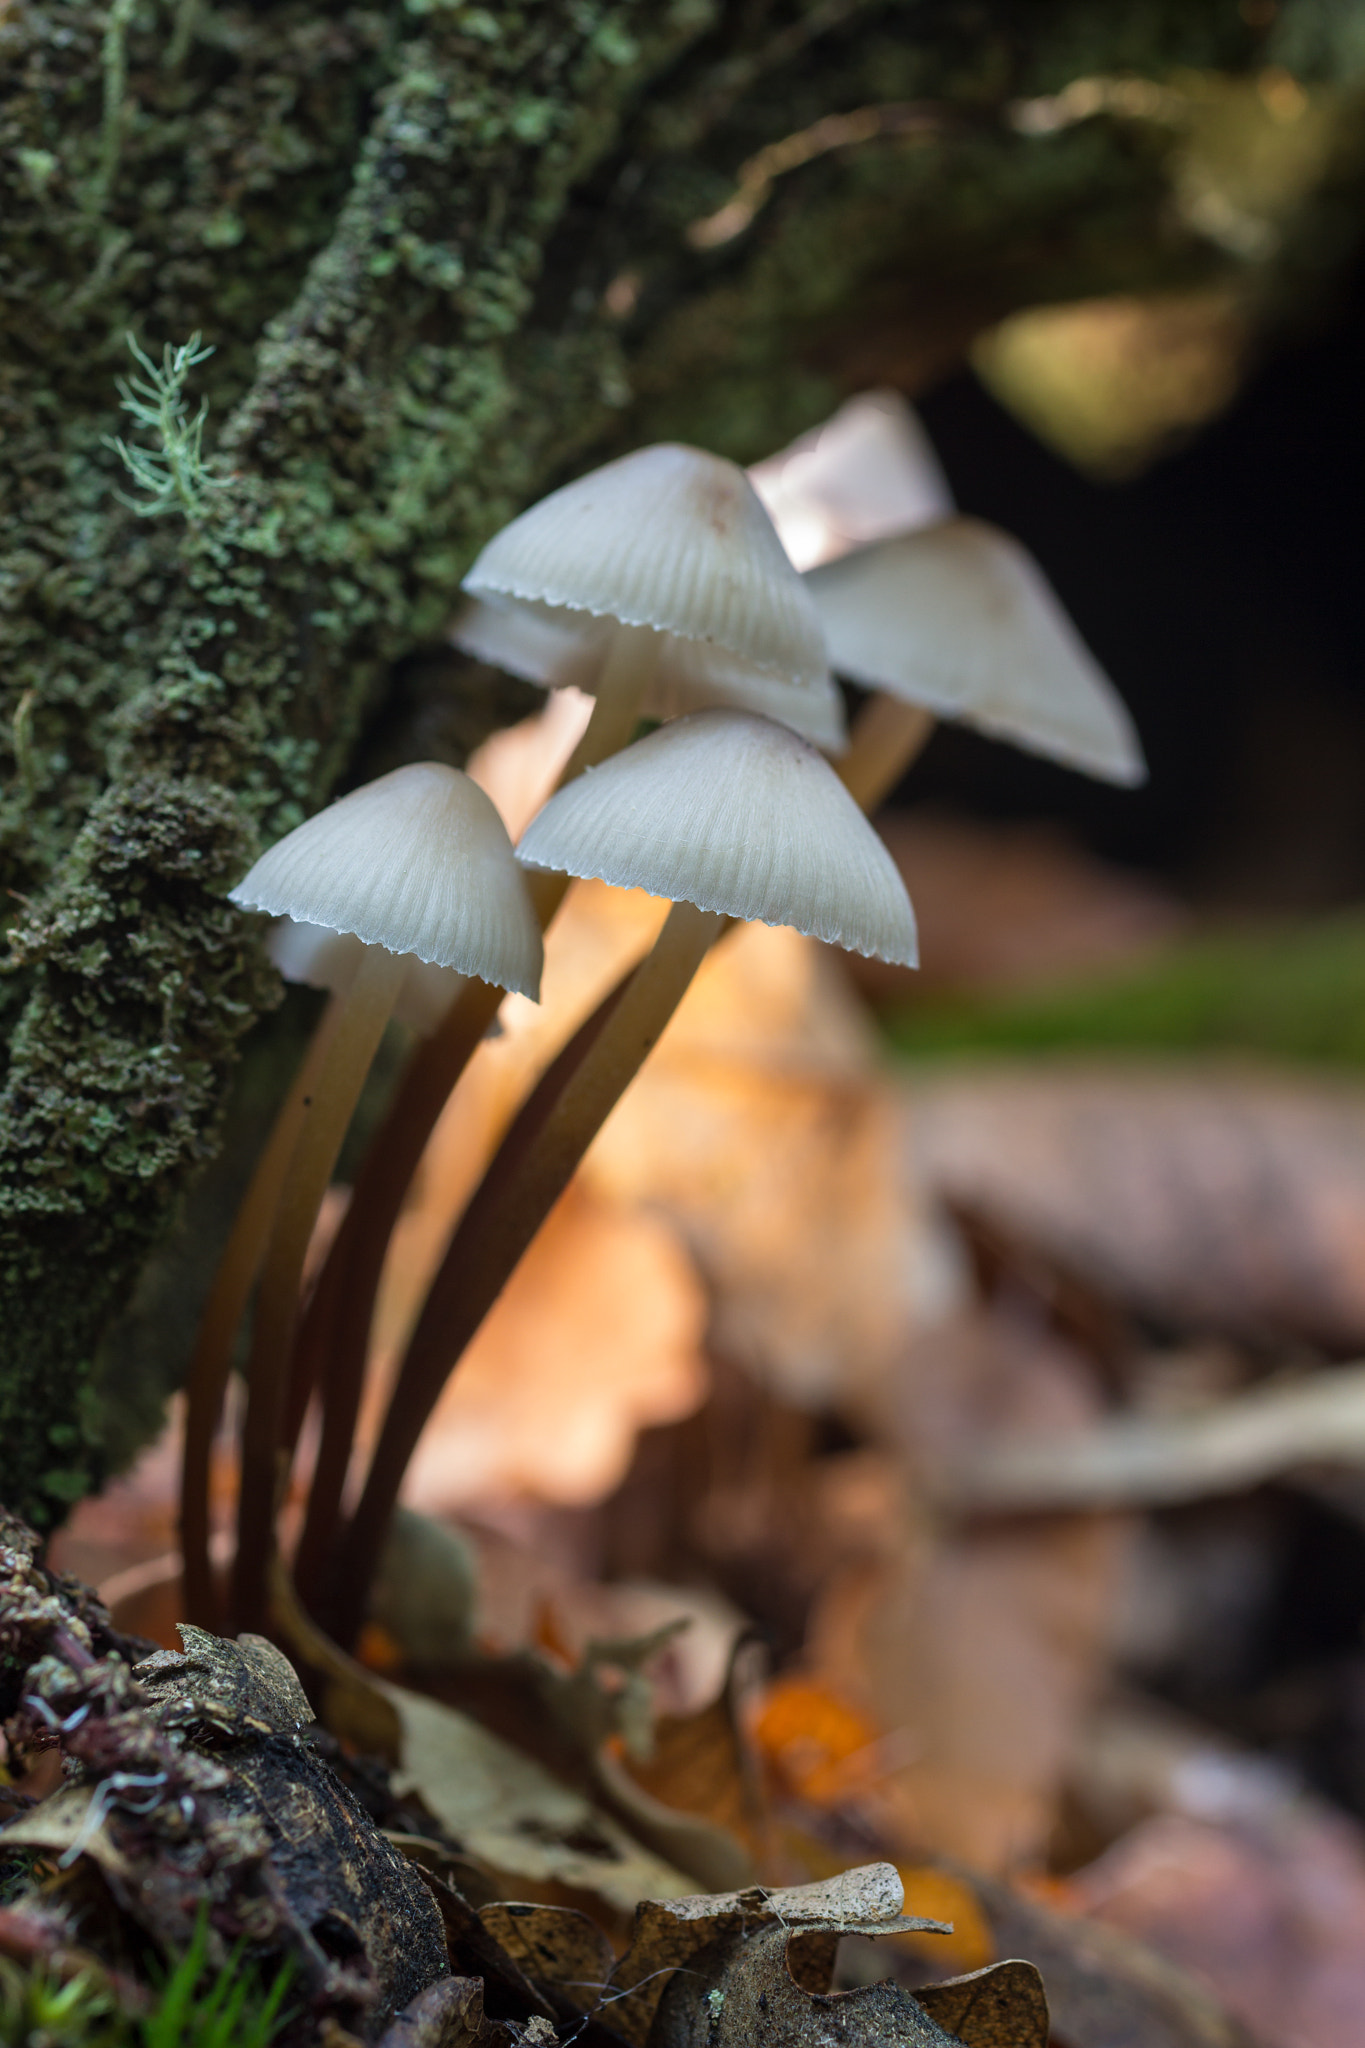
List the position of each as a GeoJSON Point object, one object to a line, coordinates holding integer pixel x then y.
{"type": "Point", "coordinates": [527, 1177]}
{"type": "Point", "coordinates": [220, 1321]}
{"type": "Point", "coordinates": [335, 1331]}
{"type": "Point", "coordinates": [322, 1600]}
{"type": "Point", "coordinates": [365, 1010]}
{"type": "Point", "coordinates": [887, 735]}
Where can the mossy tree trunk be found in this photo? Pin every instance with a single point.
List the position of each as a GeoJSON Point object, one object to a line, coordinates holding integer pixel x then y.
{"type": "Point", "coordinates": [442, 254]}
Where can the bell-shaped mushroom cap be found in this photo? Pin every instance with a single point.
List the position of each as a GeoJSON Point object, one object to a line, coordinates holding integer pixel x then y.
{"type": "Point", "coordinates": [320, 958]}
{"type": "Point", "coordinates": [556, 647]}
{"type": "Point", "coordinates": [668, 537]}
{"type": "Point", "coordinates": [733, 813]}
{"type": "Point", "coordinates": [868, 472]}
{"type": "Point", "coordinates": [960, 618]}
{"type": "Point", "coordinates": [418, 862]}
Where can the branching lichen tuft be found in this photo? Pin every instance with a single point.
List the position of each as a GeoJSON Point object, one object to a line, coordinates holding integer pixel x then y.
{"type": "Point", "coordinates": [172, 475]}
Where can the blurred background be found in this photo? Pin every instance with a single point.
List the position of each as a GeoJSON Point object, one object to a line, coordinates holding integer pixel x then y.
{"type": "Point", "coordinates": [970, 1360]}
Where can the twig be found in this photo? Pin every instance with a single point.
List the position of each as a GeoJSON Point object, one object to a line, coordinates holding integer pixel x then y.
{"type": "Point", "coordinates": [1152, 1462]}
{"type": "Point", "coordinates": [834, 131]}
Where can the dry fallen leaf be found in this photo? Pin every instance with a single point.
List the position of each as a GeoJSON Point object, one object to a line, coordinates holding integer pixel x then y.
{"type": "Point", "coordinates": [973, 1650]}
{"type": "Point", "coordinates": [1222, 1199]}
{"type": "Point", "coordinates": [757, 1995]}
{"type": "Point", "coordinates": [511, 1815]}
{"type": "Point", "coordinates": [597, 1335]}
{"type": "Point", "coordinates": [1253, 1885]}
{"type": "Point", "coordinates": [677, 1943]}
{"type": "Point", "coordinates": [1001, 2006]}
{"type": "Point", "coordinates": [694, 1796]}
{"type": "Point", "coordinates": [758, 1969]}
{"type": "Point", "coordinates": [448, 2015]}
{"type": "Point", "coordinates": [558, 1948]}
{"type": "Point", "coordinates": [523, 1827]}
{"type": "Point", "coordinates": [763, 1131]}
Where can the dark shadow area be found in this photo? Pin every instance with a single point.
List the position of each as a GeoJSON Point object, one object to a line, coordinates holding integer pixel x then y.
{"type": "Point", "coordinates": [1221, 590]}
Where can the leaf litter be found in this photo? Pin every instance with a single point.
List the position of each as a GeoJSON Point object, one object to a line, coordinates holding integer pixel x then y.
{"type": "Point", "coordinates": [232, 1829]}
{"type": "Point", "coordinates": [941, 1664]}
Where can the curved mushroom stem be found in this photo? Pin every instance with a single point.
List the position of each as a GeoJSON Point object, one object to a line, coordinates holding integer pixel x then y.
{"type": "Point", "coordinates": [333, 1335]}
{"type": "Point", "coordinates": [887, 735]}
{"type": "Point", "coordinates": [626, 674]}
{"type": "Point", "coordinates": [526, 1178]}
{"type": "Point", "coordinates": [222, 1314]}
{"type": "Point", "coordinates": [365, 1010]}
{"type": "Point", "coordinates": [336, 1324]}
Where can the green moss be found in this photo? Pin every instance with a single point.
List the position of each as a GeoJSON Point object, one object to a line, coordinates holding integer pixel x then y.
{"type": "Point", "coordinates": [252, 641]}
{"type": "Point", "coordinates": [267, 108]}
{"type": "Point", "coordinates": [1296, 995]}
{"type": "Point", "coordinates": [396, 227]}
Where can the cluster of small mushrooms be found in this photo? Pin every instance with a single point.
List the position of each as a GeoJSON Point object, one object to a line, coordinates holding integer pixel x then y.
{"type": "Point", "coordinates": [657, 584]}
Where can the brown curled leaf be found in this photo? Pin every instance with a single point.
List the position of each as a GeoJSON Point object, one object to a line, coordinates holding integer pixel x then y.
{"type": "Point", "coordinates": [476, 1952]}
{"type": "Point", "coordinates": [1002, 2006]}
{"type": "Point", "coordinates": [752, 1996]}
{"type": "Point", "coordinates": [670, 1935]}
{"type": "Point", "coordinates": [555, 1946]}
{"type": "Point", "coordinates": [448, 2014]}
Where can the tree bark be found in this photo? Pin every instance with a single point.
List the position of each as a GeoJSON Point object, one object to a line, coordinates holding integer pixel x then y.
{"type": "Point", "coordinates": [444, 253]}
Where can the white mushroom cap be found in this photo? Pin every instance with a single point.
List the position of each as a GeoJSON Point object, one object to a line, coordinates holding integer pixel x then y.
{"type": "Point", "coordinates": [736, 814]}
{"type": "Point", "coordinates": [556, 647]}
{"type": "Point", "coordinates": [960, 618]}
{"type": "Point", "coordinates": [669, 538]}
{"type": "Point", "coordinates": [868, 472]}
{"type": "Point", "coordinates": [417, 862]}
{"type": "Point", "coordinates": [321, 958]}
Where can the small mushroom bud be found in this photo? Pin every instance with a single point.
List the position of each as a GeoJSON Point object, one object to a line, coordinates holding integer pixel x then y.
{"type": "Point", "coordinates": [658, 583]}
{"type": "Point", "coordinates": [958, 621]}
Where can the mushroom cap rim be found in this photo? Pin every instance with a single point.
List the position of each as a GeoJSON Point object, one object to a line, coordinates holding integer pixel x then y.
{"type": "Point", "coordinates": [509, 593]}
{"type": "Point", "coordinates": [346, 931]}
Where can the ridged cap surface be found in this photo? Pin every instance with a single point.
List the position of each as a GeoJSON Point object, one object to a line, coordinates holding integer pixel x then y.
{"type": "Point", "coordinates": [418, 862]}
{"type": "Point", "coordinates": [733, 813]}
{"type": "Point", "coordinates": [960, 618]}
{"type": "Point", "coordinates": [555, 647]}
{"type": "Point", "coordinates": [668, 537]}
